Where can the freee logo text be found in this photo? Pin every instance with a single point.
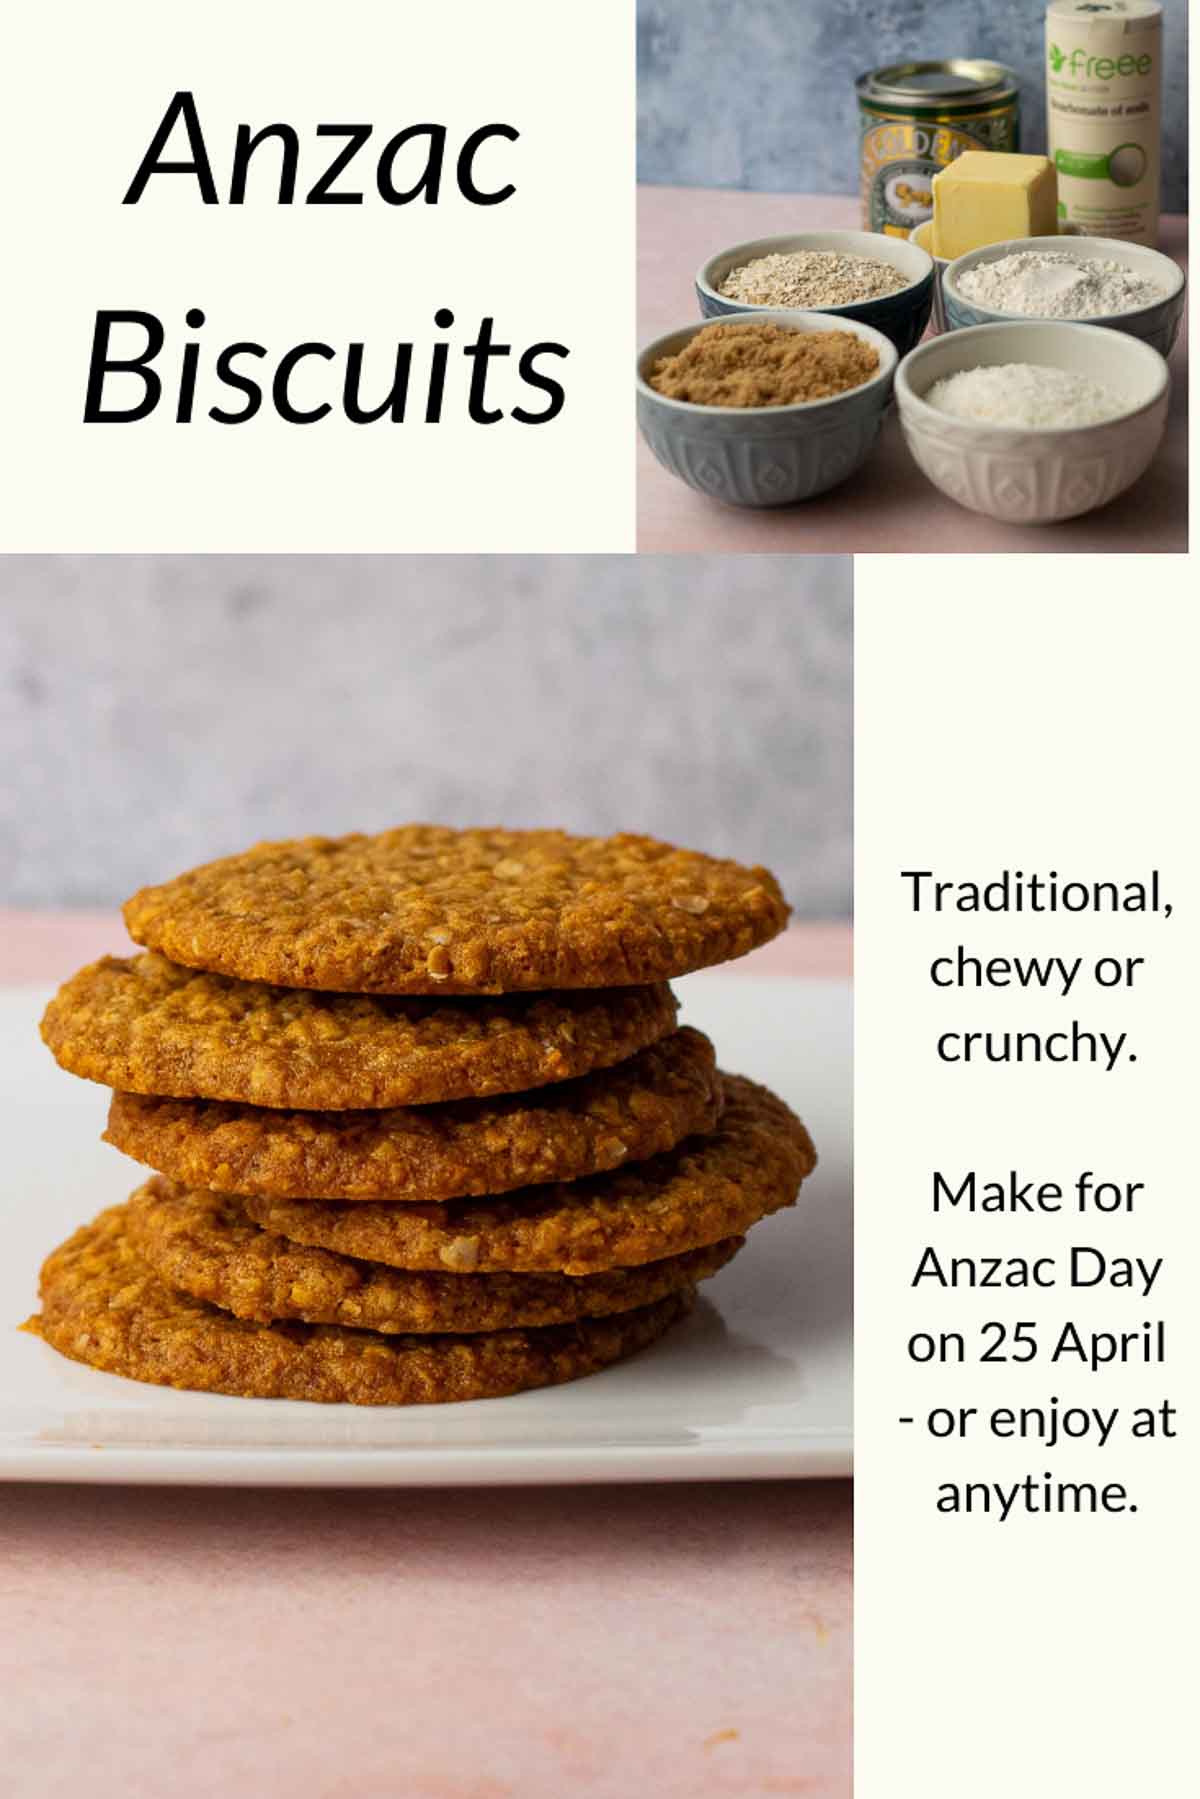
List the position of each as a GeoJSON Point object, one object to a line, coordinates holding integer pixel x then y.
{"type": "Point", "coordinates": [1097, 68]}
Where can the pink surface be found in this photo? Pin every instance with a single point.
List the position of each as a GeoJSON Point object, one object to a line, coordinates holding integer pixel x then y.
{"type": "Point", "coordinates": [677, 1641]}
{"type": "Point", "coordinates": [889, 505]}
{"type": "Point", "coordinates": [672, 1641]}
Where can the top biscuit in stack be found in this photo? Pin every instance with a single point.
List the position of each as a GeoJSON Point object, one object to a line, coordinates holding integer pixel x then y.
{"type": "Point", "coordinates": [298, 1009]}
{"type": "Point", "coordinates": [425, 909]}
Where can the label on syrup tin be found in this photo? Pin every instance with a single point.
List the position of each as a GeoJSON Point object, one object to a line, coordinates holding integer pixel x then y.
{"type": "Point", "coordinates": [901, 156]}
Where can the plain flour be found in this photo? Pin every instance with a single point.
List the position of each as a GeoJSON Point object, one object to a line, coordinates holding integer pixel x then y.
{"type": "Point", "coordinates": [1055, 285]}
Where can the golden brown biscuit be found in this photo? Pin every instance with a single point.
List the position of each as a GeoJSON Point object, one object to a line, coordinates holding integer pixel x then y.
{"type": "Point", "coordinates": [204, 1244]}
{"type": "Point", "coordinates": [102, 1305]}
{"type": "Point", "coordinates": [430, 1153]}
{"type": "Point", "coordinates": [147, 1026]}
{"type": "Point", "coordinates": [427, 909]}
{"type": "Point", "coordinates": [707, 1189]}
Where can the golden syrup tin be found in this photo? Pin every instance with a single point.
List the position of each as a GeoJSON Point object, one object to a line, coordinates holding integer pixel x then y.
{"type": "Point", "coordinates": [915, 118]}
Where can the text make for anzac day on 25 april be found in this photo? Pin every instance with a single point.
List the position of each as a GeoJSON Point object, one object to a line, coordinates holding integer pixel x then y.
{"type": "Point", "coordinates": [128, 344]}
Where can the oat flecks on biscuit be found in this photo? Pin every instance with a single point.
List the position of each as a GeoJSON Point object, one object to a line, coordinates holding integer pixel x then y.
{"type": "Point", "coordinates": [426, 909]}
{"type": "Point", "coordinates": [707, 1189]}
{"type": "Point", "coordinates": [204, 1244]}
{"type": "Point", "coordinates": [430, 1153]}
{"type": "Point", "coordinates": [145, 1025]}
{"type": "Point", "coordinates": [102, 1305]}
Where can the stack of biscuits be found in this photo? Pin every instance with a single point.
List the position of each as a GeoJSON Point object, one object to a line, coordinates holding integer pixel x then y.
{"type": "Point", "coordinates": [423, 1124]}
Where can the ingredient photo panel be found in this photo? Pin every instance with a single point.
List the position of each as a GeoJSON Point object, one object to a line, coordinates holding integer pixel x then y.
{"type": "Point", "coordinates": [989, 356]}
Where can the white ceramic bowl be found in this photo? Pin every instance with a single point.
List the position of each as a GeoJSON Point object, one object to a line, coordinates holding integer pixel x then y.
{"type": "Point", "coordinates": [765, 455]}
{"type": "Point", "coordinates": [1157, 325]}
{"type": "Point", "coordinates": [902, 316]}
{"type": "Point", "coordinates": [1035, 476]}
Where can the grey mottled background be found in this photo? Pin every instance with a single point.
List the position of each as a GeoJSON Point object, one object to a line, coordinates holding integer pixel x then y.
{"type": "Point", "coordinates": [760, 93]}
{"type": "Point", "coordinates": [156, 711]}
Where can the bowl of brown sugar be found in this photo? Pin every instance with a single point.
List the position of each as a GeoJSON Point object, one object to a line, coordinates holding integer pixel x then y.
{"type": "Point", "coordinates": [765, 408]}
{"type": "Point", "coordinates": [882, 281]}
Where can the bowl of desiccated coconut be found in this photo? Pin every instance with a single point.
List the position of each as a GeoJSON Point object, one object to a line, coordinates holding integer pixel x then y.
{"type": "Point", "coordinates": [885, 282]}
{"type": "Point", "coordinates": [1086, 280]}
{"type": "Point", "coordinates": [765, 408]}
{"type": "Point", "coordinates": [1034, 421]}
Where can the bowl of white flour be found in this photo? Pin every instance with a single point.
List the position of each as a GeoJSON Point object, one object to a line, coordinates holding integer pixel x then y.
{"type": "Point", "coordinates": [1034, 421]}
{"type": "Point", "coordinates": [1087, 280]}
{"type": "Point", "coordinates": [922, 236]}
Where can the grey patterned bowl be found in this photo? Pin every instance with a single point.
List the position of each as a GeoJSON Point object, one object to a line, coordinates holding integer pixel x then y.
{"type": "Point", "coordinates": [901, 316]}
{"type": "Point", "coordinates": [1156, 325]}
{"type": "Point", "coordinates": [765, 455]}
{"type": "Point", "coordinates": [1035, 476]}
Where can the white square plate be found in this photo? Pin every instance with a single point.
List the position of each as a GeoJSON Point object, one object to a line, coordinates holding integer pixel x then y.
{"type": "Point", "coordinates": [755, 1383]}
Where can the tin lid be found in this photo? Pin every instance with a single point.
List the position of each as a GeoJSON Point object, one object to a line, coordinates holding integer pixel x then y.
{"type": "Point", "coordinates": [960, 81]}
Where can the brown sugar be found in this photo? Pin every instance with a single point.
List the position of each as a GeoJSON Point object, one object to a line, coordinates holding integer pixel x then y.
{"type": "Point", "coordinates": [764, 365]}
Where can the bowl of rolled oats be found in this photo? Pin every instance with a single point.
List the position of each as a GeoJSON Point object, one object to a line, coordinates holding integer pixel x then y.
{"type": "Point", "coordinates": [884, 282]}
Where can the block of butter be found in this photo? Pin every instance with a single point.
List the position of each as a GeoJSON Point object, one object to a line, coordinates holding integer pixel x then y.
{"type": "Point", "coordinates": [984, 196]}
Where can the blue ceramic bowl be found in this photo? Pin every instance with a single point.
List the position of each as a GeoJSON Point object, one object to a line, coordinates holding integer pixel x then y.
{"type": "Point", "coordinates": [765, 455]}
{"type": "Point", "coordinates": [902, 316]}
{"type": "Point", "coordinates": [1156, 325]}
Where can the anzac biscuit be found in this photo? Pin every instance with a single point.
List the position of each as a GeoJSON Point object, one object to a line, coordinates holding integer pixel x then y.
{"type": "Point", "coordinates": [707, 1189]}
{"type": "Point", "coordinates": [102, 1305]}
{"type": "Point", "coordinates": [426, 909]}
{"type": "Point", "coordinates": [430, 1153]}
{"type": "Point", "coordinates": [144, 1025]}
{"type": "Point", "coordinates": [204, 1244]}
